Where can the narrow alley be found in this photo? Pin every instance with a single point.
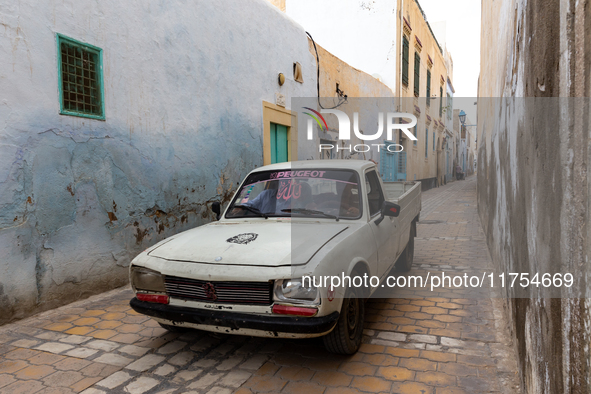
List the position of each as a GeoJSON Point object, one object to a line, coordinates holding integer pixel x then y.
{"type": "Point", "coordinates": [429, 343]}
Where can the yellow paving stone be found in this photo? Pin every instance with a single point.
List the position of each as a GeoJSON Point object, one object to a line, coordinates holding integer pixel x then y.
{"type": "Point", "coordinates": [23, 387]}
{"type": "Point", "coordinates": [45, 358]}
{"type": "Point", "coordinates": [449, 305]}
{"type": "Point", "coordinates": [102, 334]}
{"type": "Point", "coordinates": [34, 372]}
{"type": "Point", "coordinates": [243, 390]}
{"type": "Point", "coordinates": [99, 369]}
{"type": "Point", "coordinates": [130, 328]}
{"type": "Point", "coordinates": [93, 313]}
{"type": "Point", "coordinates": [62, 379]}
{"type": "Point", "coordinates": [401, 320]}
{"type": "Point", "coordinates": [430, 323]}
{"type": "Point", "coordinates": [450, 390]}
{"type": "Point", "coordinates": [11, 366]}
{"type": "Point", "coordinates": [118, 308]}
{"type": "Point", "coordinates": [265, 384]}
{"type": "Point", "coordinates": [445, 332]}
{"type": "Point", "coordinates": [371, 384]}
{"type": "Point", "coordinates": [107, 324]}
{"type": "Point", "coordinates": [21, 354]}
{"type": "Point", "coordinates": [58, 326]}
{"type": "Point", "coordinates": [71, 364]}
{"type": "Point", "coordinates": [413, 329]}
{"type": "Point", "coordinates": [422, 303]}
{"type": "Point", "coordinates": [418, 364]}
{"type": "Point", "coordinates": [436, 378]}
{"type": "Point", "coordinates": [383, 360]}
{"type": "Point", "coordinates": [85, 383]}
{"type": "Point", "coordinates": [294, 373]}
{"type": "Point", "coordinates": [433, 310]}
{"type": "Point", "coordinates": [367, 348]}
{"type": "Point", "coordinates": [418, 316]}
{"type": "Point", "coordinates": [358, 369]}
{"type": "Point", "coordinates": [396, 373]}
{"type": "Point", "coordinates": [6, 379]}
{"type": "Point", "coordinates": [126, 338]}
{"type": "Point", "coordinates": [331, 378]}
{"type": "Point", "coordinates": [86, 321]}
{"type": "Point", "coordinates": [411, 388]}
{"type": "Point", "coordinates": [408, 308]}
{"type": "Point", "coordinates": [113, 316]}
{"type": "Point", "coordinates": [448, 318]}
{"type": "Point", "coordinates": [398, 352]}
{"type": "Point", "coordinates": [268, 368]}
{"type": "Point", "coordinates": [438, 356]}
{"type": "Point", "coordinates": [341, 390]}
{"type": "Point", "coordinates": [457, 369]}
{"type": "Point", "coordinates": [82, 330]}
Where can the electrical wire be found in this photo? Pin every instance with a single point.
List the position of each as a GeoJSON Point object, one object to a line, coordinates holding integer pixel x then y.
{"type": "Point", "coordinates": [342, 99]}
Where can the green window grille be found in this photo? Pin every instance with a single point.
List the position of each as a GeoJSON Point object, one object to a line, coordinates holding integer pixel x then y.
{"type": "Point", "coordinates": [428, 87]}
{"type": "Point", "coordinates": [426, 143]}
{"type": "Point", "coordinates": [417, 73]}
{"type": "Point", "coordinates": [440, 102]}
{"type": "Point", "coordinates": [80, 78]}
{"type": "Point", "coordinates": [405, 61]}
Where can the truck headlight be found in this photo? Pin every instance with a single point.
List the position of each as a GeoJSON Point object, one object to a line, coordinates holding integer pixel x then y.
{"type": "Point", "coordinates": [146, 279]}
{"type": "Point", "coordinates": [295, 291]}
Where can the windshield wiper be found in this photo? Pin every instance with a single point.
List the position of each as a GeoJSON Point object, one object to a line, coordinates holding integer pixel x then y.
{"type": "Point", "coordinates": [310, 212]}
{"type": "Point", "coordinates": [252, 209]}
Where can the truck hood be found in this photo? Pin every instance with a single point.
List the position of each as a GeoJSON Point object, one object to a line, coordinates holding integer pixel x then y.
{"type": "Point", "coordinates": [269, 243]}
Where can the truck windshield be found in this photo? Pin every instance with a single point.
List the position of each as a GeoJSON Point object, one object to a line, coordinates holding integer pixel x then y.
{"type": "Point", "coordinates": [317, 193]}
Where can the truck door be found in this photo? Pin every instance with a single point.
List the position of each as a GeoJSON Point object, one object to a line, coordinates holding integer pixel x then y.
{"type": "Point", "coordinates": [385, 232]}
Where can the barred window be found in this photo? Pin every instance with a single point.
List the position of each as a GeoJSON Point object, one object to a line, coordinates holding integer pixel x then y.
{"type": "Point", "coordinates": [417, 74]}
{"type": "Point", "coordinates": [428, 87]}
{"type": "Point", "coordinates": [80, 79]}
{"type": "Point", "coordinates": [405, 60]}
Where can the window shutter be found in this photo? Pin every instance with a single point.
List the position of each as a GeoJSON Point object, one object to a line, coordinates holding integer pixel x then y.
{"type": "Point", "coordinates": [405, 61]}
{"type": "Point", "coordinates": [417, 73]}
{"type": "Point", "coordinates": [428, 87]}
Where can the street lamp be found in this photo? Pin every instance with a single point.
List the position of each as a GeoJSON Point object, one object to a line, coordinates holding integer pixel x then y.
{"type": "Point", "coordinates": [462, 117]}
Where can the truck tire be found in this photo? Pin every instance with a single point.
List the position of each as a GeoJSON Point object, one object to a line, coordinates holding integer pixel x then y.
{"type": "Point", "coordinates": [345, 338]}
{"type": "Point", "coordinates": [404, 262]}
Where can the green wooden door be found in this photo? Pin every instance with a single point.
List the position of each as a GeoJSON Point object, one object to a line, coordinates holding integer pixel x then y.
{"type": "Point", "coordinates": [279, 145]}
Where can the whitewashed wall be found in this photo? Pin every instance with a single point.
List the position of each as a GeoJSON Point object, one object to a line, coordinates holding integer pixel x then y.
{"type": "Point", "coordinates": [184, 85]}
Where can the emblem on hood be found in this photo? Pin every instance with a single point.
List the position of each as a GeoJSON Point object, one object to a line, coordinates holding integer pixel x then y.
{"type": "Point", "coordinates": [242, 239]}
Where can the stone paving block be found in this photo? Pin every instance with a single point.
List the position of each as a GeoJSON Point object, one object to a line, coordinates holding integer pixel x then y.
{"type": "Point", "coordinates": [436, 378]}
{"type": "Point", "coordinates": [235, 378]}
{"type": "Point", "coordinates": [81, 352]}
{"type": "Point", "coordinates": [113, 359]}
{"type": "Point", "coordinates": [229, 363]}
{"type": "Point", "coordinates": [164, 370]}
{"type": "Point", "coordinates": [26, 343]}
{"type": "Point", "coordinates": [134, 350]}
{"type": "Point", "coordinates": [371, 384]}
{"type": "Point", "coordinates": [302, 387]}
{"type": "Point", "coordinates": [114, 380]}
{"type": "Point", "coordinates": [254, 362]}
{"type": "Point", "coordinates": [418, 364]}
{"type": "Point", "coordinates": [6, 379]}
{"type": "Point", "coordinates": [106, 346]}
{"type": "Point", "coordinates": [294, 373]}
{"type": "Point", "coordinates": [332, 378]}
{"type": "Point", "coordinates": [71, 364]}
{"type": "Point", "coordinates": [146, 362]}
{"type": "Point", "coordinates": [186, 375]}
{"type": "Point", "coordinates": [63, 379]}
{"type": "Point", "coordinates": [392, 336]}
{"type": "Point", "coordinates": [141, 385]}
{"type": "Point", "coordinates": [206, 381]}
{"type": "Point", "coordinates": [74, 339]}
{"type": "Point", "coordinates": [411, 388]}
{"type": "Point", "coordinates": [54, 347]}
{"type": "Point", "coordinates": [423, 338]}
{"type": "Point", "coordinates": [182, 358]}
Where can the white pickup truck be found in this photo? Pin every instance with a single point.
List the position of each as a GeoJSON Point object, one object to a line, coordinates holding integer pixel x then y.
{"type": "Point", "coordinates": [266, 267]}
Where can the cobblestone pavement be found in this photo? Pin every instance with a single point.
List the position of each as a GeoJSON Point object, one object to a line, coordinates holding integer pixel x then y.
{"type": "Point", "coordinates": [427, 343]}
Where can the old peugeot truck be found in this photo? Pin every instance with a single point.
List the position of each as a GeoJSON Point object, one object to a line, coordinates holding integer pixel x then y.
{"type": "Point", "coordinates": [267, 266]}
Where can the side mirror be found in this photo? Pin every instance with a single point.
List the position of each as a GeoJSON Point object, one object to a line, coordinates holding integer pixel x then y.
{"type": "Point", "coordinates": [388, 209]}
{"type": "Point", "coordinates": [216, 207]}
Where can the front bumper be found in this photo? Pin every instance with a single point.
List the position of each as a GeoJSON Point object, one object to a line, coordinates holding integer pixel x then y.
{"type": "Point", "coordinates": [237, 321]}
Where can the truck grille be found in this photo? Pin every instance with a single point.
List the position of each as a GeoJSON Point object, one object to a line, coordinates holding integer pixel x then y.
{"type": "Point", "coordinates": [245, 293]}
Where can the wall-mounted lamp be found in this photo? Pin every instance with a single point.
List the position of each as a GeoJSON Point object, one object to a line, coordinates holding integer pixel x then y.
{"type": "Point", "coordinates": [281, 79]}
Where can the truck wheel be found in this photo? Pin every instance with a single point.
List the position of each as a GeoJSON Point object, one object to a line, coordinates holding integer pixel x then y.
{"type": "Point", "coordinates": [404, 262]}
{"type": "Point", "coordinates": [346, 336]}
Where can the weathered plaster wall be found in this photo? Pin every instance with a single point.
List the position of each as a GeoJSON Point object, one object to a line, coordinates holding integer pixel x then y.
{"type": "Point", "coordinates": [533, 187]}
{"type": "Point", "coordinates": [184, 85]}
